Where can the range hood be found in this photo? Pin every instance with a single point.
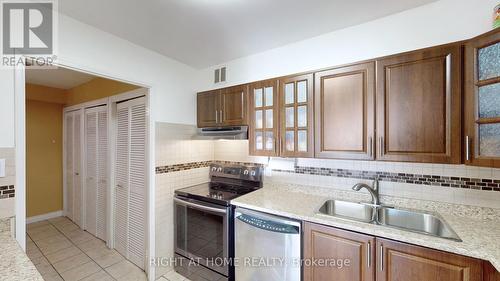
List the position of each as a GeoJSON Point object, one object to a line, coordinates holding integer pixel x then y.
{"type": "Point", "coordinates": [223, 133]}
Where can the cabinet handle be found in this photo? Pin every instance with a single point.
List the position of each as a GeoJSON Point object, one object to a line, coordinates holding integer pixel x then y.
{"type": "Point", "coordinates": [371, 147]}
{"type": "Point", "coordinates": [216, 116]}
{"type": "Point", "coordinates": [369, 254]}
{"type": "Point", "coordinates": [381, 146]}
{"type": "Point", "coordinates": [381, 257]}
{"type": "Point", "coordinates": [467, 148]}
{"type": "Point", "coordinates": [221, 115]}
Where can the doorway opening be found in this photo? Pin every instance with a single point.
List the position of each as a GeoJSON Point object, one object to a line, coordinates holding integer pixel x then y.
{"type": "Point", "coordinates": [86, 175]}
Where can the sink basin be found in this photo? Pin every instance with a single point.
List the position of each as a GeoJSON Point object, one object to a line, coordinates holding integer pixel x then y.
{"type": "Point", "coordinates": [348, 210]}
{"type": "Point", "coordinates": [416, 221]}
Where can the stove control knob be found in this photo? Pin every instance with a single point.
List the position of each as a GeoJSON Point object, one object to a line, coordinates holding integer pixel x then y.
{"type": "Point", "coordinates": [220, 196]}
{"type": "Point", "coordinates": [245, 172]}
{"type": "Point", "coordinates": [214, 169]}
{"type": "Point", "coordinates": [219, 169]}
{"type": "Point", "coordinates": [253, 173]}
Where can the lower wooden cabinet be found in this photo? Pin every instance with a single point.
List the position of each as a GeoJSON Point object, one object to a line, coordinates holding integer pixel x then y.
{"type": "Point", "coordinates": [402, 262]}
{"type": "Point", "coordinates": [328, 244]}
{"type": "Point", "coordinates": [379, 259]}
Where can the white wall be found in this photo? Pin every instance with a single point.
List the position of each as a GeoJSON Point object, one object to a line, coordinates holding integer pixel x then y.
{"type": "Point", "coordinates": [429, 25]}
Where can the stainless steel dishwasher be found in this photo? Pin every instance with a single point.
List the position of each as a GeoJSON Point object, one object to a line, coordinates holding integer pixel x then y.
{"type": "Point", "coordinates": [267, 247]}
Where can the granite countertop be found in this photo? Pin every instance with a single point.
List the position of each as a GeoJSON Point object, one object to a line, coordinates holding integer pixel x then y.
{"type": "Point", "coordinates": [479, 228]}
{"type": "Point", "coordinates": [14, 263]}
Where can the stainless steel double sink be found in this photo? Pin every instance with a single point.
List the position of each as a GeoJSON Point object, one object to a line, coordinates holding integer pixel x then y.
{"type": "Point", "coordinates": [414, 221]}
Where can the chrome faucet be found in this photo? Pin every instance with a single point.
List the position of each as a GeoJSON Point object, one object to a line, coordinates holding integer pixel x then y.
{"type": "Point", "coordinates": [372, 189]}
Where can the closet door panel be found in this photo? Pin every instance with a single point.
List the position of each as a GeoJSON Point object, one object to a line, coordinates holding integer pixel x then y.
{"type": "Point", "coordinates": [121, 180]}
{"type": "Point", "coordinates": [91, 171]}
{"type": "Point", "coordinates": [77, 167]}
{"type": "Point", "coordinates": [69, 164]}
{"type": "Point", "coordinates": [137, 201]}
{"type": "Point", "coordinates": [102, 173]}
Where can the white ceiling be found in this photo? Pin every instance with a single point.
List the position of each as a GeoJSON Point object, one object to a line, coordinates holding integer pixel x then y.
{"type": "Point", "coordinates": [203, 33]}
{"type": "Point", "coordinates": [60, 78]}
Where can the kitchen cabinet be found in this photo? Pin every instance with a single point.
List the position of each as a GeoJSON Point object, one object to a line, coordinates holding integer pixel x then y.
{"type": "Point", "coordinates": [345, 112]}
{"type": "Point", "coordinates": [482, 101]}
{"type": "Point", "coordinates": [419, 106]}
{"type": "Point", "coordinates": [296, 116]}
{"type": "Point", "coordinates": [208, 109]}
{"type": "Point", "coordinates": [224, 107]}
{"type": "Point", "coordinates": [373, 258]}
{"type": "Point", "coordinates": [264, 117]}
{"type": "Point", "coordinates": [327, 243]}
{"type": "Point", "coordinates": [403, 262]}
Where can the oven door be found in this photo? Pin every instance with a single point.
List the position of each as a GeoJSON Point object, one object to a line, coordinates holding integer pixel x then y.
{"type": "Point", "coordinates": [201, 232]}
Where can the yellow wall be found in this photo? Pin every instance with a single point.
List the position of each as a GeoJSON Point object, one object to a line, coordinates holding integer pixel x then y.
{"type": "Point", "coordinates": [46, 94]}
{"type": "Point", "coordinates": [44, 191]}
{"type": "Point", "coordinates": [96, 88]}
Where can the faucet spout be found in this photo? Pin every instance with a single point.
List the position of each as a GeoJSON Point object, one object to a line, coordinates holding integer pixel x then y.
{"type": "Point", "coordinates": [373, 190]}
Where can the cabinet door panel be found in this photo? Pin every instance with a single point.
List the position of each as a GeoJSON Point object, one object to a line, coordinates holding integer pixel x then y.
{"type": "Point", "coordinates": [208, 106]}
{"type": "Point", "coordinates": [296, 115]}
{"type": "Point", "coordinates": [322, 242]}
{"type": "Point", "coordinates": [233, 109]}
{"type": "Point", "coordinates": [482, 101]}
{"type": "Point", "coordinates": [263, 116]}
{"type": "Point", "coordinates": [402, 262]}
{"type": "Point", "coordinates": [419, 101]}
{"type": "Point", "coordinates": [345, 112]}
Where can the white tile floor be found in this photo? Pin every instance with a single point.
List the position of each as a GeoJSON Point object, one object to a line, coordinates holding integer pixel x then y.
{"type": "Point", "coordinates": [60, 250]}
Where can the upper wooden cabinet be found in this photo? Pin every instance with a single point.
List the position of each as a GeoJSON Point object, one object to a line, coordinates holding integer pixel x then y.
{"type": "Point", "coordinates": [296, 116]}
{"type": "Point", "coordinates": [345, 112]}
{"type": "Point", "coordinates": [223, 107]}
{"type": "Point", "coordinates": [328, 243]}
{"type": "Point", "coordinates": [403, 262]}
{"type": "Point", "coordinates": [208, 108]}
{"type": "Point", "coordinates": [419, 106]}
{"type": "Point", "coordinates": [264, 117]}
{"type": "Point", "coordinates": [233, 105]}
{"type": "Point", "coordinates": [482, 101]}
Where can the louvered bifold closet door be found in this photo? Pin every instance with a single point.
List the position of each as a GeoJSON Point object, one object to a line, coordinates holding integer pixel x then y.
{"type": "Point", "coordinates": [68, 131]}
{"type": "Point", "coordinates": [130, 200]}
{"type": "Point", "coordinates": [137, 201]}
{"type": "Point", "coordinates": [91, 170]}
{"type": "Point", "coordinates": [102, 172]}
{"type": "Point", "coordinates": [122, 180]}
{"type": "Point", "coordinates": [77, 167]}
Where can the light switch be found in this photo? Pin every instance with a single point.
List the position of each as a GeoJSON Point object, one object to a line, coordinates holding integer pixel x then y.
{"type": "Point", "coordinates": [2, 168]}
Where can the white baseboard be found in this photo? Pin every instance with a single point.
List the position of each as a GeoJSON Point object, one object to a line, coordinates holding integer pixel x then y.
{"type": "Point", "coordinates": [44, 217]}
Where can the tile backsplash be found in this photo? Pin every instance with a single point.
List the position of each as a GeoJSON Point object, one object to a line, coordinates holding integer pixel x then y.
{"type": "Point", "coordinates": [7, 183]}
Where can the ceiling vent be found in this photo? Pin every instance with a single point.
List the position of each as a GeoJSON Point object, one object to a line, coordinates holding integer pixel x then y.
{"type": "Point", "coordinates": [220, 75]}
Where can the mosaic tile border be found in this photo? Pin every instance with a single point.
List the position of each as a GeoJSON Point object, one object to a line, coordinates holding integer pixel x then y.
{"type": "Point", "coordinates": [7, 191]}
{"type": "Point", "coordinates": [434, 180]}
{"type": "Point", "coordinates": [194, 165]}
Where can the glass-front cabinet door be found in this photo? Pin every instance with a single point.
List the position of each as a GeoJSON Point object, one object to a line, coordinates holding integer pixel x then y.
{"type": "Point", "coordinates": [263, 134]}
{"type": "Point", "coordinates": [482, 101]}
{"type": "Point", "coordinates": [296, 111]}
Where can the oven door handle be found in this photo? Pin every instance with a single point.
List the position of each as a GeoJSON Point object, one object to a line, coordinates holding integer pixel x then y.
{"type": "Point", "coordinates": [200, 207]}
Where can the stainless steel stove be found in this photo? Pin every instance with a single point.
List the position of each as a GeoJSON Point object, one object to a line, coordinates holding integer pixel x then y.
{"type": "Point", "coordinates": [204, 228]}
